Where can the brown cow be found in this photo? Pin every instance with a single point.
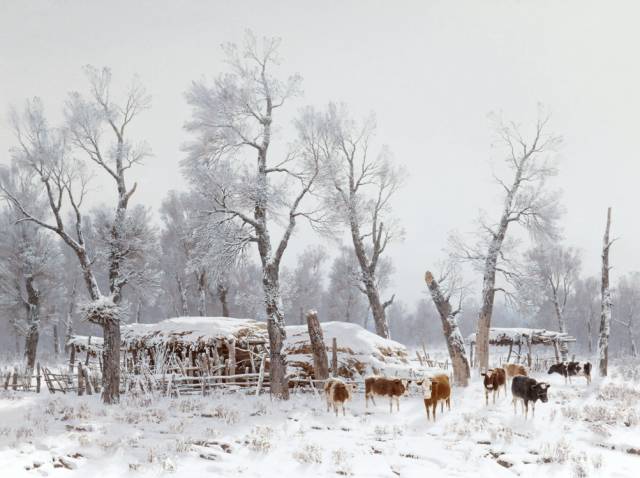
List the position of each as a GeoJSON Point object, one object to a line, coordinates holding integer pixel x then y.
{"type": "Point", "coordinates": [436, 389]}
{"type": "Point", "coordinates": [337, 393]}
{"type": "Point", "coordinates": [494, 378]}
{"type": "Point", "coordinates": [393, 388]}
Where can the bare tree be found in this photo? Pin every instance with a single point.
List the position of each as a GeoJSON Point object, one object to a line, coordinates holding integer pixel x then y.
{"type": "Point", "coordinates": [627, 308]}
{"type": "Point", "coordinates": [28, 259]}
{"type": "Point", "coordinates": [552, 271]}
{"type": "Point", "coordinates": [233, 119]}
{"type": "Point", "coordinates": [527, 202]}
{"type": "Point", "coordinates": [442, 300]}
{"type": "Point", "coordinates": [305, 285]}
{"type": "Point", "coordinates": [605, 311]}
{"type": "Point", "coordinates": [362, 186]}
{"type": "Point", "coordinates": [45, 152]}
{"type": "Point", "coordinates": [344, 301]}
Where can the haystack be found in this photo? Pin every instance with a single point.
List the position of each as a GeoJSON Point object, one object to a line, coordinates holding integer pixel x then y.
{"type": "Point", "coordinates": [360, 352]}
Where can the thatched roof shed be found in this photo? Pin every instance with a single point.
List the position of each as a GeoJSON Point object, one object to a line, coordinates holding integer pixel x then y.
{"type": "Point", "coordinates": [83, 343]}
{"type": "Point", "coordinates": [520, 336]}
{"type": "Point", "coordinates": [503, 336]}
{"type": "Point", "coordinates": [359, 351]}
{"type": "Point", "coordinates": [194, 333]}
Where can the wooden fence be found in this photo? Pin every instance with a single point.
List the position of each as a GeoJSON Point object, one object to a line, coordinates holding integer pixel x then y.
{"type": "Point", "coordinates": [23, 380]}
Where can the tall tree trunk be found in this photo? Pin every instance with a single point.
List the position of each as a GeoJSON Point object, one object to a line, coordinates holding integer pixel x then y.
{"type": "Point", "coordinates": [562, 325]}
{"type": "Point", "coordinates": [111, 362]}
{"type": "Point", "coordinates": [590, 336]}
{"type": "Point", "coordinates": [605, 314]}
{"type": "Point", "coordinates": [182, 292]}
{"type": "Point", "coordinates": [632, 339]}
{"type": "Point", "coordinates": [367, 269]}
{"type": "Point", "coordinates": [452, 335]}
{"type": "Point", "coordinates": [68, 326]}
{"type": "Point", "coordinates": [277, 333]}
{"type": "Point", "coordinates": [222, 297]}
{"type": "Point", "coordinates": [32, 304]}
{"type": "Point", "coordinates": [320, 360]}
{"type": "Point", "coordinates": [201, 278]}
{"type": "Point", "coordinates": [56, 340]}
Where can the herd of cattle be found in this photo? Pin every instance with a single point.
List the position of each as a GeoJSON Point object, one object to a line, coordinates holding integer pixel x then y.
{"type": "Point", "coordinates": [437, 389]}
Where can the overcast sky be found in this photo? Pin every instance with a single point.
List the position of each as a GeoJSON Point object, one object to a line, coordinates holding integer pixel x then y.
{"type": "Point", "coordinates": [430, 70]}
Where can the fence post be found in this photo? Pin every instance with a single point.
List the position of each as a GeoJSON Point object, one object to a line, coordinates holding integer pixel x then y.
{"type": "Point", "coordinates": [261, 375]}
{"type": "Point", "coordinates": [80, 380]}
{"type": "Point", "coordinates": [334, 357]}
{"type": "Point", "coordinates": [38, 378]}
{"type": "Point", "coordinates": [320, 365]}
{"type": "Point", "coordinates": [14, 382]}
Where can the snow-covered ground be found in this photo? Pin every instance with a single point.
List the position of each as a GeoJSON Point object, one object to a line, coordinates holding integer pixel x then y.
{"type": "Point", "coordinates": [582, 431]}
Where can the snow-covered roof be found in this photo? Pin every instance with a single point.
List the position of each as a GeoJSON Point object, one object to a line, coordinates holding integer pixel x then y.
{"type": "Point", "coordinates": [196, 331]}
{"type": "Point", "coordinates": [519, 336]}
{"type": "Point", "coordinates": [83, 342]}
{"type": "Point", "coordinates": [359, 351]}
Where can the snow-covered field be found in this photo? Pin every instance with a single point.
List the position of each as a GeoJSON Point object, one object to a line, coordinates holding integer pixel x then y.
{"type": "Point", "coordinates": [582, 431]}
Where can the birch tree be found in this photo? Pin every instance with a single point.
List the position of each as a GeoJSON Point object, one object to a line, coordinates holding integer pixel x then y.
{"type": "Point", "coordinates": [441, 296]}
{"type": "Point", "coordinates": [527, 202]}
{"type": "Point", "coordinates": [627, 308]}
{"type": "Point", "coordinates": [28, 260]}
{"type": "Point", "coordinates": [605, 310]}
{"type": "Point", "coordinates": [231, 163]}
{"type": "Point", "coordinates": [96, 128]}
{"type": "Point", "coordinates": [362, 185]}
{"type": "Point", "coordinates": [345, 302]}
{"type": "Point", "coordinates": [552, 270]}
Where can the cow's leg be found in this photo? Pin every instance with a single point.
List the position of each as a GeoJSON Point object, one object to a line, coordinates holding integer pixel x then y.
{"type": "Point", "coordinates": [533, 409]}
{"type": "Point", "coordinates": [494, 396]}
{"type": "Point", "coordinates": [449, 403]}
{"type": "Point", "coordinates": [526, 409]}
{"type": "Point", "coordinates": [344, 413]}
{"type": "Point", "coordinates": [335, 407]}
{"type": "Point", "coordinates": [328, 404]}
{"type": "Point", "coordinates": [486, 396]}
{"type": "Point", "coordinates": [391, 404]}
{"type": "Point", "coordinates": [398, 403]}
{"type": "Point", "coordinates": [435, 407]}
{"type": "Point", "coordinates": [513, 402]}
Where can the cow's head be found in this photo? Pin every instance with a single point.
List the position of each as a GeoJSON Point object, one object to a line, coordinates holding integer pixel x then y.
{"type": "Point", "coordinates": [540, 390]}
{"type": "Point", "coordinates": [488, 383]}
{"type": "Point", "coordinates": [427, 387]}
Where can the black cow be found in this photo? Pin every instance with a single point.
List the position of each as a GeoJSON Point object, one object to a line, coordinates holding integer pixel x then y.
{"type": "Point", "coordinates": [572, 369]}
{"type": "Point", "coordinates": [527, 390]}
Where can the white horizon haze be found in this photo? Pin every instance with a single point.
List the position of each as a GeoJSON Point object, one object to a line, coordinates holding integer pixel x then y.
{"type": "Point", "coordinates": [431, 71]}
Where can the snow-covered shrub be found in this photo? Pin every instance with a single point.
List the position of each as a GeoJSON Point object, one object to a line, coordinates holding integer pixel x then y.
{"type": "Point", "coordinates": [177, 426]}
{"type": "Point", "coordinates": [579, 467]}
{"type": "Point", "coordinates": [228, 415]}
{"type": "Point", "coordinates": [182, 445]}
{"type": "Point", "coordinates": [342, 461]}
{"type": "Point", "coordinates": [600, 414]}
{"type": "Point", "coordinates": [23, 433]}
{"type": "Point", "coordinates": [572, 413]}
{"type": "Point", "coordinates": [558, 452]}
{"type": "Point", "coordinates": [308, 454]}
{"type": "Point", "coordinates": [596, 460]}
{"type": "Point", "coordinates": [189, 405]}
{"type": "Point", "coordinates": [501, 433]}
{"type": "Point", "coordinates": [259, 439]}
{"type": "Point", "coordinates": [600, 429]}
{"type": "Point", "coordinates": [624, 393]}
